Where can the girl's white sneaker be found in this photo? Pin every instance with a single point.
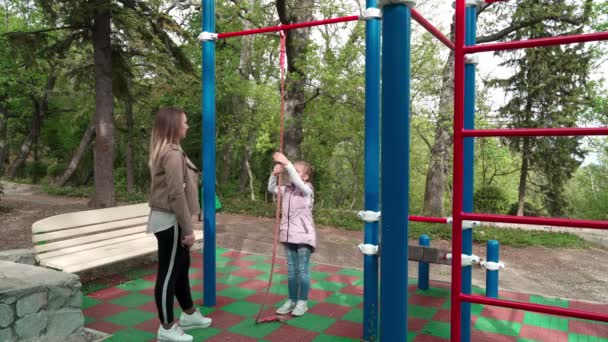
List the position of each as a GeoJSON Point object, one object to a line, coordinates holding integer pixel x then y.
{"type": "Point", "coordinates": [173, 334]}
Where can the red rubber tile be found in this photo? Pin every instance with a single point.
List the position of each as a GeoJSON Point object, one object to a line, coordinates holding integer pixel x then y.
{"type": "Point", "coordinates": [345, 329]}
{"type": "Point", "coordinates": [542, 334]}
{"type": "Point", "coordinates": [330, 310]}
{"type": "Point", "coordinates": [290, 333]}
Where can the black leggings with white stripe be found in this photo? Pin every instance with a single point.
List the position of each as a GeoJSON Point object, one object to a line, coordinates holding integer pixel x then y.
{"type": "Point", "coordinates": [172, 277]}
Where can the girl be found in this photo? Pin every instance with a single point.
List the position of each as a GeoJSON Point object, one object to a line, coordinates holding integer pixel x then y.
{"type": "Point", "coordinates": [174, 201]}
{"type": "Point", "coordinates": [297, 230]}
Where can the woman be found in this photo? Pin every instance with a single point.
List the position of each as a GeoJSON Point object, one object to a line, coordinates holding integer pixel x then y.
{"type": "Point", "coordinates": [173, 203]}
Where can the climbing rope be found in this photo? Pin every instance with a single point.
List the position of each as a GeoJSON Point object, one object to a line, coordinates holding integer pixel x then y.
{"type": "Point", "coordinates": [277, 222]}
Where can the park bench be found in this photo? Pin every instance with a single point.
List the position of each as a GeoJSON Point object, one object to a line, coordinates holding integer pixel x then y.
{"type": "Point", "coordinates": [84, 240]}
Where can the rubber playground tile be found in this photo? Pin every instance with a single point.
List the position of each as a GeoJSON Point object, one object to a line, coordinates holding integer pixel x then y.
{"type": "Point", "coordinates": [287, 333]}
{"type": "Point", "coordinates": [504, 314]}
{"type": "Point", "coordinates": [344, 299]}
{"type": "Point", "coordinates": [245, 309]}
{"type": "Point", "coordinates": [312, 322]}
{"type": "Point", "coordinates": [433, 301]}
{"type": "Point", "coordinates": [434, 292]}
{"type": "Point", "coordinates": [342, 278]}
{"type": "Point", "coordinates": [249, 328]}
{"type": "Point", "coordinates": [416, 324]}
{"type": "Point", "coordinates": [203, 334]}
{"type": "Point", "coordinates": [103, 310]}
{"type": "Point", "coordinates": [354, 315]}
{"type": "Point", "coordinates": [423, 312]}
{"type": "Point", "coordinates": [254, 284]}
{"type": "Point", "coordinates": [584, 306]}
{"type": "Point", "coordinates": [344, 329]}
{"type": "Point", "coordinates": [352, 290]}
{"type": "Point", "coordinates": [585, 338]}
{"type": "Point", "coordinates": [478, 335]}
{"type": "Point", "coordinates": [546, 321]}
{"type": "Point", "coordinates": [130, 317]}
{"type": "Point", "coordinates": [246, 273]}
{"type": "Point", "coordinates": [537, 333]}
{"type": "Point", "coordinates": [237, 293]}
{"type": "Point", "coordinates": [262, 298]}
{"type": "Point", "coordinates": [442, 315]}
{"type": "Point", "coordinates": [88, 302]}
{"type": "Point", "coordinates": [107, 327]}
{"type": "Point", "coordinates": [256, 258]}
{"type": "Point", "coordinates": [136, 285]}
{"type": "Point", "coordinates": [232, 337]}
{"type": "Point", "coordinates": [230, 280]}
{"type": "Point", "coordinates": [240, 263]}
{"type": "Point", "coordinates": [224, 319]}
{"type": "Point", "coordinates": [130, 334]}
{"type": "Point", "coordinates": [328, 286]}
{"type": "Point", "coordinates": [437, 329]}
{"type": "Point", "coordinates": [588, 328]}
{"type": "Point", "coordinates": [428, 338]}
{"type": "Point", "coordinates": [497, 326]}
{"type": "Point", "coordinates": [109, 293]}
{"type": "Point", "coordinates": [328, 338]}
{"type": "Point", "coordinates": [351, 272]}
{"type": "Point", "coordinates": [132, 300]}
{"type": "Point", "coordinates": [330, 310]}
{"type": "Point", "coordinates": [320, 275]}
{"type": "Point", "coordinates": [549, 301]}
{"type": "Point", "coordinates": [150, 325]}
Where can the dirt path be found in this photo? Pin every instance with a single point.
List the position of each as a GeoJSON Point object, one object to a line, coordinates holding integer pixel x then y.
{"type": "Point", "coordinates": [564, 273]}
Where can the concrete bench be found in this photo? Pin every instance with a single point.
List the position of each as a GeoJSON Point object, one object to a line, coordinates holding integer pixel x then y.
{"type": "Point", "coordinates": [84, 240]}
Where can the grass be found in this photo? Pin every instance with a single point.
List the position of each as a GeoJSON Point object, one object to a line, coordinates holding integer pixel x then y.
{"type": "Point", "coordinates": [122, 196]}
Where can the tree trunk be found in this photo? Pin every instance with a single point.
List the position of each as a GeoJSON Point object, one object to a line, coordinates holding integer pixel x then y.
{"type": "Point", "coordinates": [3, 137]}
{"type": "Point", "coordinates": [103, 196]}
{"type": "Point", "coordinates": [440, 152]}
{"type": "Point", "coordinates": [523, 177]}
{"type": "Point", "coordinates": [129, 157]}
{"type": "Point", "coordinates": [295, 98]}
{"type": "Point", "coordinates": [24, 152]}
{"type": "Point", "coordinates": [85, 141]}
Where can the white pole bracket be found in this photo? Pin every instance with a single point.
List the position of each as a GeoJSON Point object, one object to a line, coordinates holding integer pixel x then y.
{"type": "Point", "coordinates": [368, 249]}
{"type": "Point", "coordinates": [449, 220]}
{"type": "Point", "coordinates": [371, 13]}
{"type": "Point", "coordinates": [466, 224]}
{"type": "Point", "coordinates": [491, 265]}
{"type": "Point", "coordinates": [471, 59]}
{"type": "Point", "coordinates": [207, 36]}
{"type": "Point", "coordinates": [369, 216]}
{"type": "Point", "coordinates": [467, 260]}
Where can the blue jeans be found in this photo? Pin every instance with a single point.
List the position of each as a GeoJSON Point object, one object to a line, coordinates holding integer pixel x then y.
{"type": "Point", "coordinates": [298, 270]}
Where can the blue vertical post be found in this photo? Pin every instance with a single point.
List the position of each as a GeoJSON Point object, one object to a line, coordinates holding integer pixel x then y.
{"type": "Point", "coordinates": [423, 267]}
{"type": "Point", "coordinates": [208, 150]}
{"type": "Point", "coordinates": [492, 275]}
{"type": "Point", "coordinates": [468, 167]}
{"type": "Point", "coordinates": [372, 170]}
{"type": "Point", "coordinates": [396, 34]}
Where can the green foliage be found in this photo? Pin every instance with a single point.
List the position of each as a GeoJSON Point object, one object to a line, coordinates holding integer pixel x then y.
{"type": "Point", "coordinates": [490, 199]}
{"type": "Point", "coordinates": [529, 209]}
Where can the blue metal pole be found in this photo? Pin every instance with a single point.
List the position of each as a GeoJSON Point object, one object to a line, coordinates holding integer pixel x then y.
{"type": "Point", "coordinates": [492, 276]}
{"type": "Point", "coordinates": [468, 168]}
{"type": "Point", "coordinates": [208, 150]}
{"type": "Point", "coordinates": [372, 170]}
{"type": "Point", "coordinates": [423, 267]}
{"type": "Point", "coordinates": [396, 34]}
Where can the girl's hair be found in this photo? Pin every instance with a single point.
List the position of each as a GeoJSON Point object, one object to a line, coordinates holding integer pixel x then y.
{"type": "Point", "coordinates": [307, 169]}
{"type": "Point", "coordinates": [165, 131]}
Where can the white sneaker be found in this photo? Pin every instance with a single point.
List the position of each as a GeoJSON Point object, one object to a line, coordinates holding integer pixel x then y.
{"type": "Point", "coordinates": [286, 307]}
{"type": "Point", "coordinates": [300, 308]}
{"type": "Point", "coordinates": [173, 334]}
{"type": "Point", "coordinates": [194, 321]}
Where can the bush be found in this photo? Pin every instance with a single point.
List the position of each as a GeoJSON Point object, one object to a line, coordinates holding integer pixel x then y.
{"type": "Point", "coordinates": [490, 199]}
{"type": "Point", "coordinates": [56, 169]}
{"type": "Point", "coordinates": [35, 168]}
{"type": "Point", "coordinates": [529, 209]}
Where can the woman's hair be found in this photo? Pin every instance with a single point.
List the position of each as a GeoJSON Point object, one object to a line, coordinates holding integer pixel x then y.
{"type": "Point", "coordinates": [307, 169]}
{"type": "Point", "coordinates": [165, 131]}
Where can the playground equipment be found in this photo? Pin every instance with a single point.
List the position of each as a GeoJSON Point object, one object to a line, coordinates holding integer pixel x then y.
{"type": "Point", "coordinates": [396, 19]}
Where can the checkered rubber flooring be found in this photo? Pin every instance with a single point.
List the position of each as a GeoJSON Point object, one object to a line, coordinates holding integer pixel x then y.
{"type": "Point", "coordinates": [128, 312]}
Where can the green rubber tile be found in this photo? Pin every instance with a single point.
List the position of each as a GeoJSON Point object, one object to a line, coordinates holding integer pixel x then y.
{"type": "Point", "coordinates": [261, 266]}
{"type": "Point", "coordinates": [546, 321]}
{"type": "Point", "coordinates": [227, 269]}
{"type": "Point", "coordinates": [276, 278]}
{"type": "Point", "coordinates": [411, 336]}
{"type": "Point", "coordinates": [351, 272]}
{"type": "Point", "coordinates": [434, 292]}
{"type": "Point", "coordinates": [478, 291]}
{"type": "Point", "coordinates": [319, 275]}
{"type": "Point", "coordinates": [330, 338]}
{"type": "Point", "coordinates": [130, 334]}
{"type": "Point", "coordinates": [231, 280]}
{"type": "Point", "coordinates": [88, 320]}
{"type": "Point", "coordinates": [236, 293]}
{"type": "Point", "coordinates": [132, 300]}
{"type": "Point", "coordinates": [358, 282]}
{"type": "Point", "coordinates": [219, 251]}
{"type": "Point", "coordinates": [195, 281]}
{"type": "Point", "coordinates": [328, 286]}
{"type": "Point", "coordinates": [439, 329]}
{"type": "Point", "coordinates": [526, 340]}
{"type": "Point", "coordinates": [280, 289]}
{"type": "Point", "coordinates": [136, 285]}
{"type": "Point", "coordinates": [344, 299]}
{"type": "Point", "coordinates": [245, 309]}
{"type": "Point", "coordinates": [203, 334]}
{"type": "Point", "coordinates": [423, 312]}
{"type": "Point", "coordinates": [354, 315]}
{"type": "Point", "coordinates": [256, 258]}
{"type": "Point", "coordinates": [476, 309]}
{"type": "Point", "coordinates": [249, 328]}
{"type": "Point", "coordinates": [312, 322]}
{"type": "Point", "coordinates": [139, 273]}
{"type": "Point", "coordinates": [549, 301]}
{"type": "Point", "coordinates": [497, 326]}
{"type": "Point", "coordinates": [585, 338]}
{"type": "Point", "coordinates": [88, 302]}
{"type": "Point", "coordinates": [220, 259]}
{"type": "Point", "coordinates": [130, 318]}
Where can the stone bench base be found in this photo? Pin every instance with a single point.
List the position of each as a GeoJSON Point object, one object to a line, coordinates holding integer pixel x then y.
{"type": "Point", "coordinates": [38, 304]}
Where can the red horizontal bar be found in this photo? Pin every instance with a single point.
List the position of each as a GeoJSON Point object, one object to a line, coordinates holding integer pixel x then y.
{"type": "Point", "coordinates": [522, 44]}
{"type": "Point", "coordinates": [287, 27]}
{"type": "Point", "coordinates": [534, 132]}
{"type": "Point", "coordinates": [428, 219]}
{"type": "Point", "coordinates": [546, 309]}
{"type": "Point", "coordinates": [432, 29]}
{"type": "Point", "coordinates": [544, 221]}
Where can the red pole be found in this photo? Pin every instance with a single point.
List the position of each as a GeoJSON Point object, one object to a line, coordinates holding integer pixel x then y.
{"type": "Point", "coordinates": [287, 27]}
{"type": "Point", "coordinates": [545, 221]}
{"type": "Point", "coordinates": [552, 310]}
{"type": "Point", "coordinates": [432, 29]}
{"type": "Point", "coordinates": [458, 170]}
{"type": "Point", "coordinates": [428, 219]}
{"type": "Point", "coordinates": [534, 132]}
{"type": "Point", "coordinates": [522, 44]}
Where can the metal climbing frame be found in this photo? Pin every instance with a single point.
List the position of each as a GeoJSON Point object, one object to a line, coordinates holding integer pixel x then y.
{"type": "Point", "coordinates": [463, 46]}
